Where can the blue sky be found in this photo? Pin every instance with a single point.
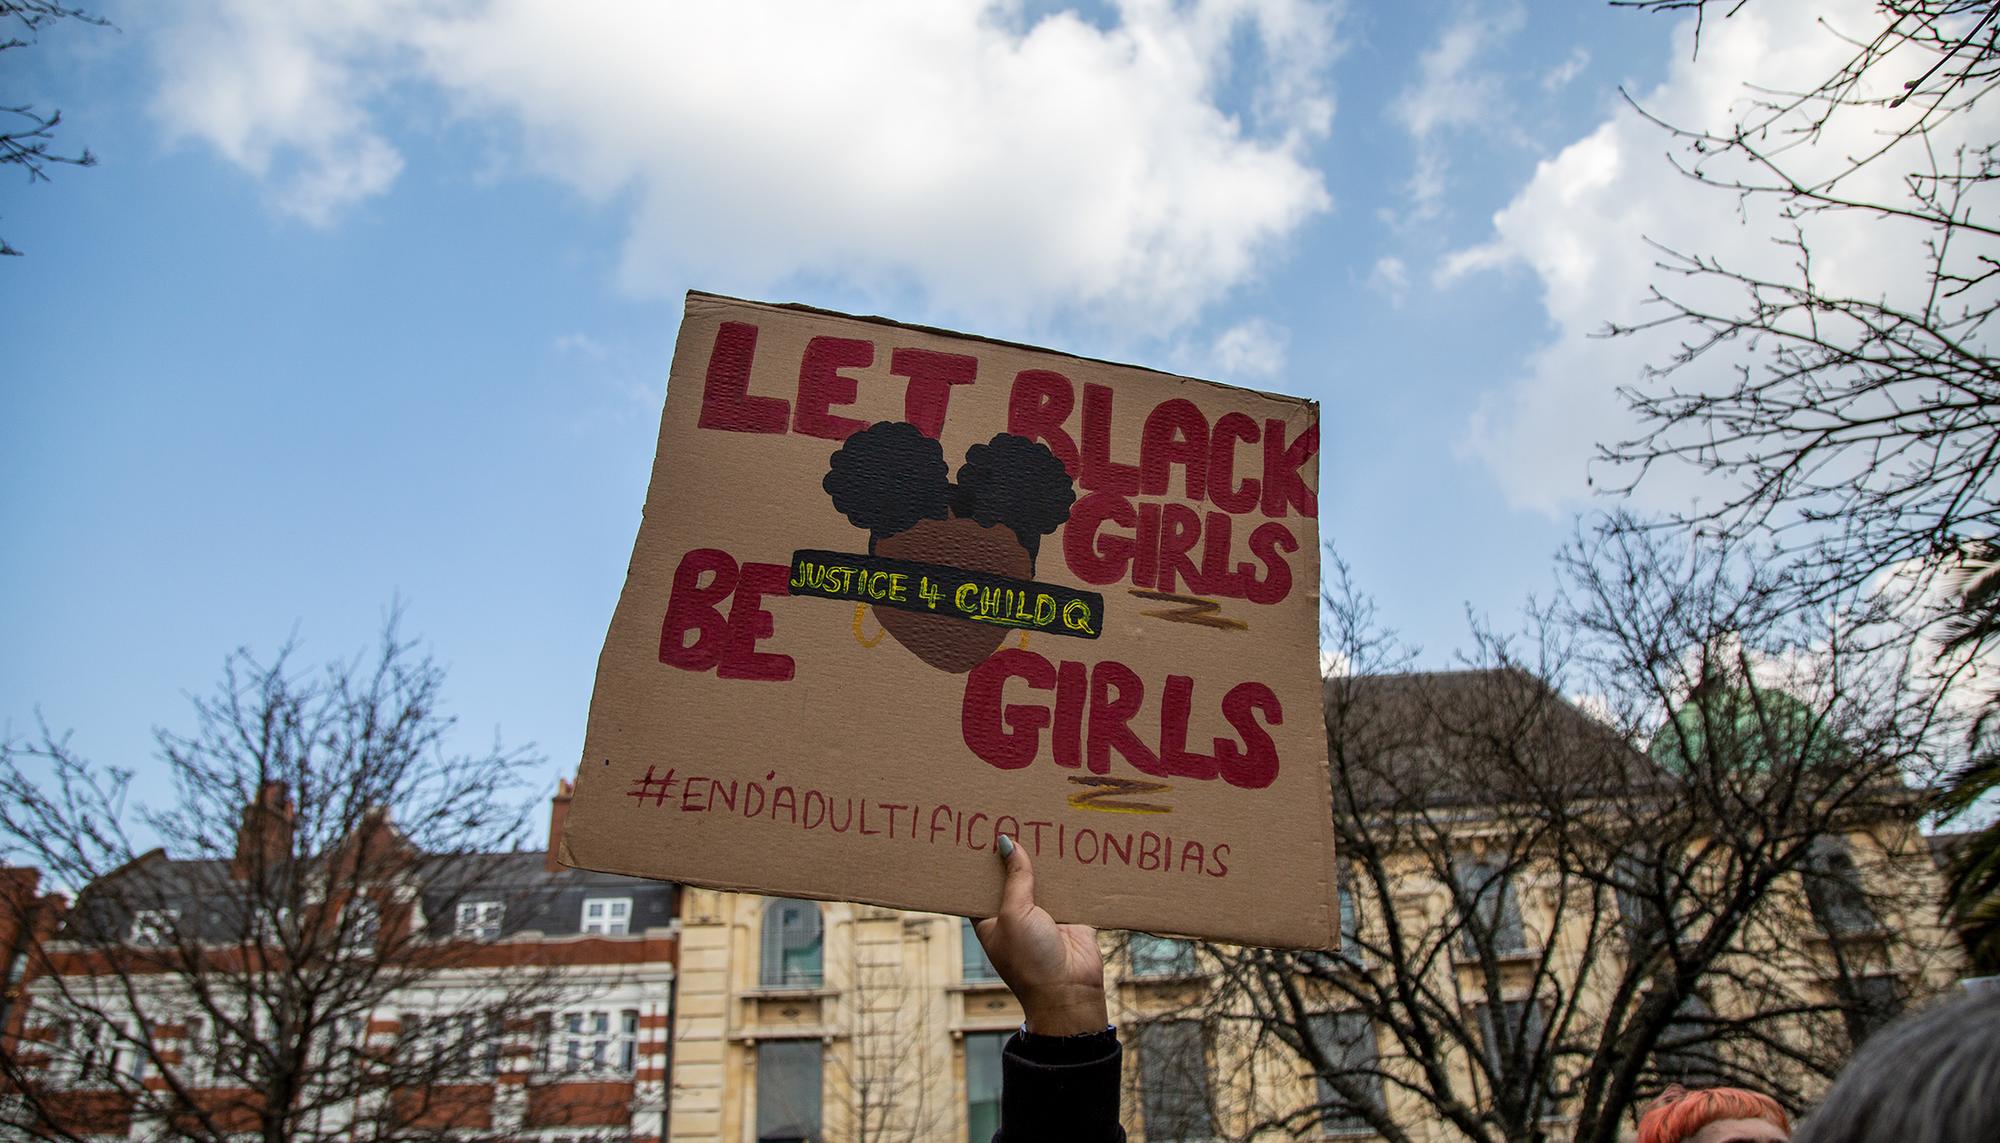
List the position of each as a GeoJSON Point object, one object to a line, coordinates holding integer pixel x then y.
{"type": "Point", "coordinates": [374, 301]}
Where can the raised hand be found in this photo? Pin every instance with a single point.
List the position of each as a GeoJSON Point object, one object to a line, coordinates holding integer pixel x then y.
{"type": "Point", "coordinates": [1055, 970]}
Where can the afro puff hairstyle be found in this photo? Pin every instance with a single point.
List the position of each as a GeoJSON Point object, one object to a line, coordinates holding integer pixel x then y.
{"type": "Point", "coordinates": [1017, 482]}
{"type": "Point", "coordinates": [887, 477]}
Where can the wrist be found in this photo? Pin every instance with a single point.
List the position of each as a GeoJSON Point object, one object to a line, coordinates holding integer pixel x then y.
{"type": "Point", "coordinates": [1072, 1014]}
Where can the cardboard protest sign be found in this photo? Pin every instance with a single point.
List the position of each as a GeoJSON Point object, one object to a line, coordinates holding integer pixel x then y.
{"type": "Point", "coordinates": [898, 591]}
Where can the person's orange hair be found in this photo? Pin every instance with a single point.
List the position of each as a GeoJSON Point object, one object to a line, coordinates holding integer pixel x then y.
{"type": "Point", "coordinates": [1678, 1112]}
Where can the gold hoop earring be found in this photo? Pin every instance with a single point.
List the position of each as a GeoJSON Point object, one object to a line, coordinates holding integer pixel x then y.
{"type": "Point", "coordinates": [861, 609]}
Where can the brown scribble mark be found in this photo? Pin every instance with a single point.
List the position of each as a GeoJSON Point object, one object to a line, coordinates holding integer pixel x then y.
{"type": "Point", "coordinates": [1107, 788]}
{"type": "Point", "coordinates": [1193, 609]}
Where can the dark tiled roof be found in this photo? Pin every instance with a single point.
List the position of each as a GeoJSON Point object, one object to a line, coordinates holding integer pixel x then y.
{"type": "Point", "coordinates": [1471, 738]}
{"type": "Point", "coordinates": [538, 898]}
{"type": "Point", "coordinates": [212, 905]}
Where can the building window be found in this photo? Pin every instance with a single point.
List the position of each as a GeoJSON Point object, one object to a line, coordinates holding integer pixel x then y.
{"type": "Point", "coordinates": [1489, 909]}
{"type": "Point", "coordinates": [231, 1057]}
{"type": "Point", "coordinates": [196, 1063]}
{"type": "Point", "coordinates": [628, 1040]}
{"type": "Point", "coordinates": [154, 927]}
{"type": "Point", "coordinates": [1833, 890]}
{"type": "Point", "coordinates": [977, 966]}
{"type": "Point", "coordinates": [461, 1045]}
{"type": "Point", "coordinates": [1350, 954]}
{"type": "Point", "coordinates": [362, 923]}
{"type": "Point", "coordinates": [609, 916]}
{"type": "Point", "coordinates": [1347, 1040]}
{"type": "Point", "coordinates": [1513, 1046]}
{"type": "Point", "coordinates": [99, 1052]}
{"type": "Point", "coordinates": [982, 1084]}
{"type": "Point", "coordinates": [1867, 1003]}
{"type": "Point", "coordinates": [1635, 882]}
{"type": "Point", "coordinates": [1685, 1053]}
{"type": "Point", "coordinates": [594, 1041]}
{"type": "Point", "coordinates": [480, 920]}
{"type": "Point", "coordinates": [1350, 924]}
{"type": "Point", "coordinates": [792, 938]}
{"type": "Point", "coordinates": [341, 1048]}
{"type": "Point", "coordinates": [273, 925]}
{"type": "Point", "coordinates": [1173, 1081]}
{"type": "Point", "coordinates": [788, 1091]}
{"type": "Point", "coordinates": [1162, 956]}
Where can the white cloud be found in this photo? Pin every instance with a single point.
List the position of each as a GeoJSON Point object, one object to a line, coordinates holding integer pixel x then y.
{"type": "Point", "coordinates": [1250, 349]}
{"type": "Point", "coordinates": [1390, 278]}
{"type": "Point", "coordinates": [1471, 260]}
{"type": "Point", "coordinates": [1580, 227]}
{"type": "Point", "coordinates": [1451, 93]}
{"type": "Point", "coordinates": [580, 345]}
{"type": "Point", "coordinates": [1560, 76]}
{"type": "Point", "coordinates": [279, 91]}
{"type": "Point", "coordinates": [999, 164]}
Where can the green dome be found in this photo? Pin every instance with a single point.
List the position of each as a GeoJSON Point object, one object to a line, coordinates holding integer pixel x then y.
{"type": "Point", "coordinates": [1752, 728]}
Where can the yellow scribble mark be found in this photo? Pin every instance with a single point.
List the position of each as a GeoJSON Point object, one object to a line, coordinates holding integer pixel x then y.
{"type": "Point", "coordinates": [1193, 609]}
{"type": "Point", "coordinates": [1103, 789]}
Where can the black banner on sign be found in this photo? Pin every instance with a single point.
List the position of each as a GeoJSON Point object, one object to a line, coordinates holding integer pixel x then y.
{"type": "Point", "coordinates": [954, 593]}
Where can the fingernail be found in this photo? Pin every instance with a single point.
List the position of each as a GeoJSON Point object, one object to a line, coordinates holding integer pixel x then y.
{"type": "Point", "coordinates": [1005, 845]}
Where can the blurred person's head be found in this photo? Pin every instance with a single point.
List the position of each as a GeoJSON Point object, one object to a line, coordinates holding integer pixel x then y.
{"type": "Point", "coordinates": [1933, 1076]}
{"type": "Point", "coordinates": [1714, 1115]}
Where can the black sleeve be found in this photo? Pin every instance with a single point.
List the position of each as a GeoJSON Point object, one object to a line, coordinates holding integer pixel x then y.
{"type": "Point", "coordinates": [1060, 1090]}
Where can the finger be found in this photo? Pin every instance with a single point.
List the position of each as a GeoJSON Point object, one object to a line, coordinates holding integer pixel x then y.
{"type": "Point", "coordinates": [985, 930]}
{"type": "Point", "coordinates": [1017, 895]}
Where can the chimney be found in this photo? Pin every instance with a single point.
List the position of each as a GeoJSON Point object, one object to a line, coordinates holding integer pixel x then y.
{"type": "Point", "coordinates": [265, 838]}
{"type": "Point", "coordinates": [558, 816]}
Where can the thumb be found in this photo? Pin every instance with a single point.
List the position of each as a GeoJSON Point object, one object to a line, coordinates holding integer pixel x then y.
{"type": "Point", "coordinates": [1017, 895]}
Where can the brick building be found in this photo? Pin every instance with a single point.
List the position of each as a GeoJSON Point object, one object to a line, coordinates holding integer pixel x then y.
{"type": "Point", "coordinates": [487, 995]}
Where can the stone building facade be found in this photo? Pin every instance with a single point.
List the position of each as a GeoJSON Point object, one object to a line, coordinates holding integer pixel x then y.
{"type": "Point", "coordinates": [838, 1022]}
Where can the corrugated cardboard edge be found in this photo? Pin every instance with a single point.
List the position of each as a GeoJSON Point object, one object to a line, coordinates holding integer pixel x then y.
{"type": "Point", "coordinates": [1325, 899]}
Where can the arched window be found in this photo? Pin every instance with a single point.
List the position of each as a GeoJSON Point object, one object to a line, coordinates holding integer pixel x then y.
{"type": "Point", "coordinates": [792, 939]}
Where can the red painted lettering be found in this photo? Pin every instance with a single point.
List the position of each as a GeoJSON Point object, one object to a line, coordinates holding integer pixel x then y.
{"type": "Point", "coordinates": [692, 607]}
{"type": "Point", "coordinates": [1175, 433]}
{"type": "Point", "coordinates": [1283, 486]}
{"type": "Point", "coordinates": [1180, 532]}
{"type": "Point", "coordinates": [1005, 736]}
{"type": "Point", "coordinates": [1254, 765]}
{"type": "Point", "coordinates": [1223, 492]}
{"type": "Point", "coordinates": [931, 374]}
{"type": "Point", "coordinates": [822, 385]}
{"type": "Point", "coordinates": [1221, 869]}
{"type": "Point", "coordinates": [1072, 690]}
{"type": "Point", "coordinates": [1115, 696]}
{"type": "Point", "coordinates": [1100, 472]}
{"type": "Point", "coordinates": [1095, 559]}
{"type": "Point", "coordinates": [1176, 703]}
{"type": "Point", "coordinates": [1269, 539]}
{"type": "Point", "coordinates": [1037, 406]}
{"type": "Point", "coordinates": [749, 622]}
{"type": "Point", "coordinates": [726, 402]}
{"type": "Point", "coordinates": [1216, 532]}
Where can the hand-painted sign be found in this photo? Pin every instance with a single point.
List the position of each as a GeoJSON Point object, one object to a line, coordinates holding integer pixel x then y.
{"type": "Point", "coordinates": [899, 591]}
